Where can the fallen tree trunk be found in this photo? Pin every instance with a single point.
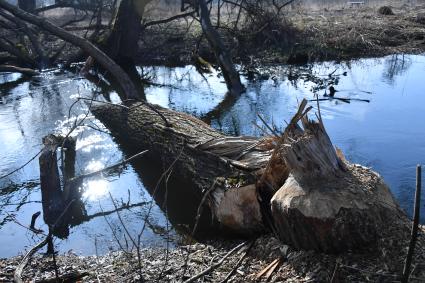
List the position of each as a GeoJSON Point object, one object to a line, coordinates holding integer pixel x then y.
{"type": "Point", "coordinates": [201, 155]}
{"type": "Point", "coordinates": [296, 184]}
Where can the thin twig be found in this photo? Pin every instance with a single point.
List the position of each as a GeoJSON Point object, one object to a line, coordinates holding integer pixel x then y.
{"type": "Point", "coordinates": [32, 158]}
{"type": "Point", "coordinates": [135, 245]}
{"type": "Point", "coordinates": [229, 275]}
{"type": "Point", "coordinates": [334, 274]}
{"type": "Point", "coordinates": [198, 216]}
{"type": "Point", "coordinates": [114, 234]}
{"type": "Point", "coordinates": [17, 276]}
{"type": "Point", "coordinates": [268, 127]}
{"type": "Point", "coordinates": [36, 231]}
{"type": "Point", "coordinates": [414, 233]}
{"type": "Point", "coordinates": [214, 266]}
{"type": "Point", "coordinates": [108, 168]}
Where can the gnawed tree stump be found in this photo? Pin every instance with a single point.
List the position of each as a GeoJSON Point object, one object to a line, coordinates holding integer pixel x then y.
{"type": "Point", "coordinates": [327, 204]}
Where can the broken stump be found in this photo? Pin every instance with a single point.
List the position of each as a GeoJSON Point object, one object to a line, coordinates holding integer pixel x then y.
{"type": "Point", "coordinates": [327, 204]}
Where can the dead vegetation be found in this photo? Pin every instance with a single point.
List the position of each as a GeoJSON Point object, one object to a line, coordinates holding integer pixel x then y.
{"type": "Point", "coordinates": [268, 35]}
{"type": "Point", "coordinates": [363, 32]}
{"type": "Point", "coordinates": [245, 264]}
{"type": "Point", "coordinates": [253, 29]}
{"type": "Point", "coordinates": [295, 36]}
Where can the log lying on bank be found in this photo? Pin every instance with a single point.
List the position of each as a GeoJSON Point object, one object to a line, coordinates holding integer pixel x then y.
{"type": "Point", "coordinates": [296, 184]}
{"type": "Point", "coordinates": [225, 166]}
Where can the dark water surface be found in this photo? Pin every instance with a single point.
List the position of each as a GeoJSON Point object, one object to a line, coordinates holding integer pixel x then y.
{"type": "Point", "coordinates": [387, 134]}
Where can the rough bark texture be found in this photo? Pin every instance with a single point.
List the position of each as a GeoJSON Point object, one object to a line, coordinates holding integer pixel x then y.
{"type": "Point", "coordinates": [327, 204]}
{"type": "Point", "coordinates": [51, 191]}
{"type": "Point", "coordinates": [231, 76]}
{"type": "Point", "coordinates": [333, 216]}
{"type": "Point", "coordinates": [199, 153]}
{"type": "Point", "coordinates": [122, 78]}
{"type": "Point", "coordinates": [297, 184]}
{"type": "Point", "coordinates": [122, 42]}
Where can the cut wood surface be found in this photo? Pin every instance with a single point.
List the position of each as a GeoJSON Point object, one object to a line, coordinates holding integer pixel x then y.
{"type": "Point", "coordinates": [326, 203]}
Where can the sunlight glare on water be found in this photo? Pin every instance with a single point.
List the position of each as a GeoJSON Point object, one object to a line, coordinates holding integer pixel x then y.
{"type": "Point", "coordinates": [95, 189]}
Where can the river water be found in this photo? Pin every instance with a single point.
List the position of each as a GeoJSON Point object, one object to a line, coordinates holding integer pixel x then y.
{"type": "Point", "coordinates": [387, 134]}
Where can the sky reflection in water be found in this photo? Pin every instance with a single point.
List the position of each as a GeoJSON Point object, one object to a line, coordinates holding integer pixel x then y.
{"type": "Point", "coordinates": [387, 134]}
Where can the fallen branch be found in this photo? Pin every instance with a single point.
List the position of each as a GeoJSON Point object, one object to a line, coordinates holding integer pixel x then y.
{"type": "Point", "coordinates": [81, 177]}
{"type": "Point", "coordinates": [16, 69]}
{"type": "Point", "coordinates": [170, 19]}
{"type": "Point", "coordinates": [91, 27]}
{"type": "Point", "coordinates": [229, 275]}
{"type": "Point", "coordinates": [268, 268]}
{"type": "Point", "coordinates": [214, 266]}
{"type": "Point", "coordinates": [346, 100]}
{"type": "Point", "coordinates": [69, 277]}
{"type": "Point", "coordinates": [17, 276]}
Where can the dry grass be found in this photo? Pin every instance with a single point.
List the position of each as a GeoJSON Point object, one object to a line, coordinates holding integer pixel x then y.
{"type": "Point", "coordinates": [304, 34]}
{"type": "Point", "coordinates": [348, 33]}
{"type": "Point", "coordinates": [301, 33]}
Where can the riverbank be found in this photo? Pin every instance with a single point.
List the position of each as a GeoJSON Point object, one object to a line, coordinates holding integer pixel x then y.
{"type": "Point", "coordinates": [302, 36]}
{"type": "Point", "coordinates": [297, 36]}
{"type": "Point", "coordinates": [382, 263]}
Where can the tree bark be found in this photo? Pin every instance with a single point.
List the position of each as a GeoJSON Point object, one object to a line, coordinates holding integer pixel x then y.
{"type": "Point", "coordinates": [117, 72]}
{"type": "Point", "coordinates": [122, 42]}
{"type": "Point", "coordinates": [327, 204]}
{"type": "Point", "coordinates": [51, 192]}
{"type": "Point", "coordinates": [231, 76]}
{"type": "Point", "coordinates": [200, 155]}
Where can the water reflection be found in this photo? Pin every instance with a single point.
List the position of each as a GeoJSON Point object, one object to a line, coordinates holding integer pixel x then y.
{"type": "Point", "coordinates": [33, 109]}
{"type": "Point", "coordinates": [396, 65]}
{"type": "Point", "coordinates": [386, 134]}
{"type": "Point", "coordinates": [95, 189]}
